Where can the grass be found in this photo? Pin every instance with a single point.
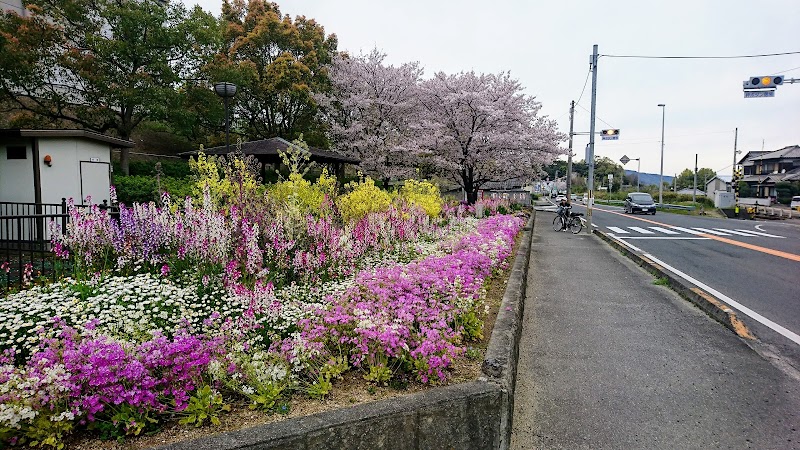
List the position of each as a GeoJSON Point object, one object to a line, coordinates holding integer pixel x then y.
{"type": "Point", "coordinates": [663, 281]}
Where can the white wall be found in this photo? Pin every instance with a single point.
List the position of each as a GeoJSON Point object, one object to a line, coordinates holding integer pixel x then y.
{"type": "Point", "coordinates": [63, 177]}
{"type": "Point", "coordinates": [16, 175]}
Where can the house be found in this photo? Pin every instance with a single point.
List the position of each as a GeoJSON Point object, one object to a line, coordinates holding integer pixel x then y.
{"type": "Point", "coordinates": [762, 170]}
{"type": "Point", "coordinates": [44, 166]}
{"type": "Point", "coordinates": [719, 183]}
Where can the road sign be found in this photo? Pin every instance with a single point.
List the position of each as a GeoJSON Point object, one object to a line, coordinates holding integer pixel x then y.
{"type": "Point", "coordinates": [759, 94]}
{"type": "Point", "coordinates": [624, 160]}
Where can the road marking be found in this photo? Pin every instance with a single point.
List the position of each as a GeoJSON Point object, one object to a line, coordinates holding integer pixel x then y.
{"type": "Point", "coordinates": [735, 232]}
{"type": "Point", "coordinates": [685, 230]}
{"type": "Point", "coordinates": [762, 234]}
{"type": "Point", "coordinates": [641, 230]}
{"type": "Point", "coordinates": [617, 238]}
{"type": "Point", "coordinates": [617, 230]}
{"type": "Point", "coordinates": [794, 337]}
{"type": "Point", "coordinates": [706, 230]}
{"type": "Point", "coordinates": [768, 251]}
{"type": "Point", "coordinates": [664, 230]}
{"type": "Point", "coordinates": [674, 238]}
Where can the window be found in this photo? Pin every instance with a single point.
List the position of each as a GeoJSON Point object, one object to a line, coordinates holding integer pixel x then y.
{"type": "Point", "coordinates": [16, 152]}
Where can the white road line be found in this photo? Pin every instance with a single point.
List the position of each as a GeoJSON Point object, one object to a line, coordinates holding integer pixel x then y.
{"type": "Point", "coordinates": [706, 230]}
{"type": "Point", "coordinates": [617, 230]}
{"type": "Point", "coordinates": [762, 234]}
{"type": "Point", "coordinates": [794, 337]}
{"type": "Point", "coordinates": [641, 230]}
{"type": "Point", "coordinates": [686, 230]}
{"type": "Point", "coordinates": [735, 232]}
{"type": "Point", "coordinates": [664, 230]}
{"type": "Point", "coordinates": [674, 238]}
{"type": "Point", "coordinates": [617, 238]}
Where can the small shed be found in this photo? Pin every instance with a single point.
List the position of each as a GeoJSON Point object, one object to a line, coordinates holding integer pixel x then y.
{"type": "Point", "coordinates": [44, 166]}
{"type": "Point", "coordinates": [267, 152]}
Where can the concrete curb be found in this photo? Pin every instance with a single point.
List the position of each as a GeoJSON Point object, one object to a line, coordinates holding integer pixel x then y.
{"type": "Point", "coordinates": [472, 415]}
{"type": "Point", "coordinates": [500, 363]}
{"type": "Point", "coordinates": [705, 301]}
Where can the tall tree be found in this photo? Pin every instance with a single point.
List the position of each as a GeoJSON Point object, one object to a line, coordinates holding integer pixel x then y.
{"type": "Point", "coordinates": [481, 128]}
{"type": "Point", "coordinates": [686, 178]}
{"type": "Point", "coordinates": [102, 65]}
{"type": "Point", "coordinates": [371, 110]}
{"type": "Point", "coordinates": [278, 64]}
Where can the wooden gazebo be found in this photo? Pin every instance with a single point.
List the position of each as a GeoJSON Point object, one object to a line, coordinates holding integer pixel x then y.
{"type": "Point", "coordinates": [266, 151]}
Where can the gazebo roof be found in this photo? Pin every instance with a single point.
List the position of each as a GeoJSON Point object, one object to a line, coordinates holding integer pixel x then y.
{"type": "Point", "coordinates": [266, 150]}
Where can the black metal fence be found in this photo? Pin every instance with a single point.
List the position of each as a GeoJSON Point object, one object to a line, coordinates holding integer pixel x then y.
{"type": "Point", "coordinates": [25, 241]}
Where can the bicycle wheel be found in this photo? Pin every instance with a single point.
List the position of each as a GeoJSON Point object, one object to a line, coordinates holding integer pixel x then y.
{"type": "Point", "coordinates": [558, 223]}
{"type": "Point", "coordinates": [575, 225]}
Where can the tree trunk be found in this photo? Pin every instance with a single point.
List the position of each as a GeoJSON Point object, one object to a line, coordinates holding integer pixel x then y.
{"type": "Point", "coordinates": [124, 158]}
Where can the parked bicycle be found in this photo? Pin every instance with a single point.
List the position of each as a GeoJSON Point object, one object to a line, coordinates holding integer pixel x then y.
{"type": "Point", "coordinates": [568, 220]}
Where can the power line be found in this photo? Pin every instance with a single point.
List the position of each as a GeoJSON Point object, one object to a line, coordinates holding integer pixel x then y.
{"type": "Point", "coordinates": [598, 117]}
{"type": "Point", "coordinates": [701, 57]}
{"type": "Point", "coordinates": [784, 71]}
{"type": "Point", "coordinates": [584, 86]}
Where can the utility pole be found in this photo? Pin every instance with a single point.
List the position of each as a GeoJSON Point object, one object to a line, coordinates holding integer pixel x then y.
{"type": "Point", "coordinates": [694, 193]}
{"type": "Point", "coordinates": [735, 141]}
{"type": "Point", "coordinates": [569, 157]}
{"type": "Point", "coordinates": [590, 162]}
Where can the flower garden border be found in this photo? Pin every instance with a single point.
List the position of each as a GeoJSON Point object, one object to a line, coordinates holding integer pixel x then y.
{"type": "Point", "coordinates": [471, 415]}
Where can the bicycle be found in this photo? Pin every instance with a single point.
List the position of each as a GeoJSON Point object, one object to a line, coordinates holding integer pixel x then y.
{"type": "Point", "coordinates": [568, 221]}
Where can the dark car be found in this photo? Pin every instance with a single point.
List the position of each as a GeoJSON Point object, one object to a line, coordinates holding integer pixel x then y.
{"type": "Point", "coordinates": [640, 202]}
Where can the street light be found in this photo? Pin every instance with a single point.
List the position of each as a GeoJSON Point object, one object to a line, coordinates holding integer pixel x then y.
{"type": "Point", "coordinates": [226, 90]}
{"type": "Point", "coordinates": [638, 172]}
{"type": "Point", "coordinates": [661, 179]}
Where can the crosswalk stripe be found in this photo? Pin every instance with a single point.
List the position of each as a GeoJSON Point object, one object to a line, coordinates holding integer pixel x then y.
{"type": "Point", "coordinates": [641, 230]}
{"type": "Point", "coordinates": [617, 230]}
{"type": "Point", "coordinates": [664, 230]}
{"type": "Point", "coordinates": [686, 230]}
{"type": "Point", "coordinates": [735, 232]}
{"type": "Point", "coordinates": [762, 234]}
{"type": "Point", "coordinates": [706, 230]}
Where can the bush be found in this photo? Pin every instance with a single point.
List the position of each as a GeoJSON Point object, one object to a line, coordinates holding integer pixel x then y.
{"type": "Point", "coordinates": [363, 198]}
{"type": "Point", "coordinates": [142, 189]}
{"type": "Point", "coordinates": [423, 194]}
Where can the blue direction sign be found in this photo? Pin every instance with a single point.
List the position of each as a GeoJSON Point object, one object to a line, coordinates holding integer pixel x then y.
{"type": "Point", "coordinates": [759, 94]}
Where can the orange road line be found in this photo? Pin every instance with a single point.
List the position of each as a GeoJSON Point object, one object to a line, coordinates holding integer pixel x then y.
{"type": "Point", "coordinates": [769, 251]}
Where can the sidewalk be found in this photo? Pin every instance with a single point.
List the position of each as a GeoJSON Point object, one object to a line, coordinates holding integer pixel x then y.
{"type": "Point", "coordinates": [608, 360]}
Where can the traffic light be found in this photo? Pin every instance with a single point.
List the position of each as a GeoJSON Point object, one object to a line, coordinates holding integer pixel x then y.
{"type": "Point", "coordinates": [610, 134]}
{"type": "Point", "coordinates": [764, 82]}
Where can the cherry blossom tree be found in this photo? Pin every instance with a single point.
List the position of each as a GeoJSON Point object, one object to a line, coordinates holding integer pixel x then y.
{"type": "Point", "coordinates": [481, 128]}
{"type": "Point", "coordinates": [372, 109]}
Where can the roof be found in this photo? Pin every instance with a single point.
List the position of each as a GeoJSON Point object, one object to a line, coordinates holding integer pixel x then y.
{"type": "Point", "coordinates": [267, 149]}
{"type": "Point", "coordinates": [85, 134]}
{"type": "Point", "coordinates": [790, 152]}
{"type": "Point", "coordinates": [723, 178]}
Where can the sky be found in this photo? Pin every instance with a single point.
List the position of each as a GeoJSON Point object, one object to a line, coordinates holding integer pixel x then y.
{"type": "Point", "coordinates": [546, 45]}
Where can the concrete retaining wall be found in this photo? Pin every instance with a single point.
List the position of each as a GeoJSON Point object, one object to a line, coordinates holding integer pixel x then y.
{"type": "Point", "coordinates": [469, 416]}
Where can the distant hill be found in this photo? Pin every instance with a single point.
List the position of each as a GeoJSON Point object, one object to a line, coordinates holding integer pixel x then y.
{"type": "Point", "coordinates": [649, 178]}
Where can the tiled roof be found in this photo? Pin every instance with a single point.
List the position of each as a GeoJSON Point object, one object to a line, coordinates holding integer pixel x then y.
{"type": "Point", "coordinates": [269, 149]}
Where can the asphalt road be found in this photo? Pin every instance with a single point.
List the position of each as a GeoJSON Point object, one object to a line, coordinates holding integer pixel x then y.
{"type": "Point", "coordinates": [755, 265]}
{"type": "Point", "coordinates": [610, 360]}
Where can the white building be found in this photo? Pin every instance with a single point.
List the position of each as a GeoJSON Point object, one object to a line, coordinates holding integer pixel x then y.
{"type": "Point", "coordinates": [44, 166]}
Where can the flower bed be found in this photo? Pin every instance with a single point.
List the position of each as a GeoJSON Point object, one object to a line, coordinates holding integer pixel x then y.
{"type": "Point", "coordinates": [175, 311]}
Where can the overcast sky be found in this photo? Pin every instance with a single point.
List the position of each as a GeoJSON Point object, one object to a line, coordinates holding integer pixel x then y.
{"type": "Point", "coordinates": [546, 45]}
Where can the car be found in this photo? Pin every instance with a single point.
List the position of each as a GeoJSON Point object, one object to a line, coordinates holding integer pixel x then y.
{"type": "Point", "coordinates": [795, 203]}
{"type": "Point", "coordinates": [573, 197]}
{"type": "Point", "coordinates": [640, 202]}
{"type": "Point", "coordinates": [560, 197]}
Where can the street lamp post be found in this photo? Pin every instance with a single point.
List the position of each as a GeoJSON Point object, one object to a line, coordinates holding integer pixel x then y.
{"type": "Point", "coordinates": [661, 180]}
{"type": "Point", "coordinates": [226, 90]}
{"type": "Point", "coordinates": [638, 172]}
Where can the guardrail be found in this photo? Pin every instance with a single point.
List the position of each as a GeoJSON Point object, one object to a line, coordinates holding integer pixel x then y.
{"type": "Point", "coordinates": [681, 207]}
